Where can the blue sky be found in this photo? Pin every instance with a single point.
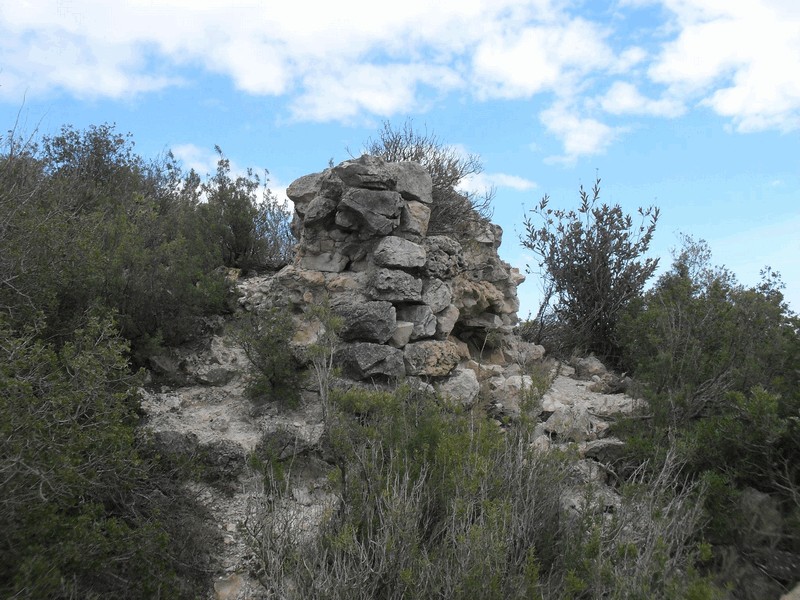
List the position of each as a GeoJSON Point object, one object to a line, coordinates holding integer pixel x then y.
{"type": "Point", "coordinates": [691, 105]}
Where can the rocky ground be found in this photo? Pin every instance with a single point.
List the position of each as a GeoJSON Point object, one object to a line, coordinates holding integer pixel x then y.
{"type": "Point", "coordinates": [201, 403]}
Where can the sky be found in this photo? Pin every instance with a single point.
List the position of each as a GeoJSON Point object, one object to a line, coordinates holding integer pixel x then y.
{"type": "Point", "coordinates": [689, 105]}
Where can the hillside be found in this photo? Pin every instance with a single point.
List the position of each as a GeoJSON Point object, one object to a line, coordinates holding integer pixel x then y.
{"type": "Point", "coordinates": [196, 406]}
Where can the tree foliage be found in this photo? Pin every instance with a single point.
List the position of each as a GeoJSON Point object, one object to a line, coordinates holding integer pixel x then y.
{"type": "Point", "coordinates": [452, 210]}
{"type": "Point", "coordinates": [81, 506]}
{"type": "Point", "coordinates": [718, 364]}
{"type": "Point", "coordinates": [252, 233]}
{"type": "Point", "coordinates": [85, 221]}
{"type": "Point", "coordinates": [593, 266]}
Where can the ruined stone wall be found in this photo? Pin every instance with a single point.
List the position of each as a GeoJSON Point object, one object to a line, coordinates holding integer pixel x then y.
{"type": "Point", "coordinates": [412, 304]}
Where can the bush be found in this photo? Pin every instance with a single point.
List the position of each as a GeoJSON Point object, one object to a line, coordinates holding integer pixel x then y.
{"type": "Point", "coordinates": [699, 334]}
{"type": "Point", "coordinates": [439, 502]}
{"type": "Point", "coordinates": [718, 364]}
{"type": "Point", "coordinates": [88, 222]}
{"type": "Point", "coordinates": [251, 233]}
{"type": "Point", "coordinates": [265, 338]}
{"type": "Point", "coordinates": [452, 211]}
{"type": "Point", "coordinates": [83, 508]}
{"type": "Point", "coordinates": [593, 267]}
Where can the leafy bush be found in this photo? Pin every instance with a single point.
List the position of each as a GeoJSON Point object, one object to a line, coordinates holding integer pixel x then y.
{"type": "Point", "coordinates": [593, 267]}
{"type": "Point", "coordinates": [252, 233]}
{"type": "Point", "coordinates": [265, 338]}
{"type": "Point", "coordinates": [699, 334]}
{"type": "Point", "coordinates": [82, 503]}
{"type": "Point", "coordinates": [88, 222]}
{"type": "Point", "coordinates": [452, 211]}
{"type": "Point", "coordinates": [718, 364]}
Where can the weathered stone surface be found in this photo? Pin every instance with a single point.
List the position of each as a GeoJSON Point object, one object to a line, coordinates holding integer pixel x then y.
{"type": "Point", "coordinates": [301, 191]}
{"type": "Point", "coordinates": [445, 321]}
{"type": "Point", "coordinates": [364, 360]}
{"type": "Point", "coordinates": [444, 257]}
{"type": "Point", "coordinates": [588, 367]}
{"type": "Point", "coordinates": [423, 319]}
{"type": "Point", "coordinates": [475, 297]}
{"type": "Point", "coordinates": [395, 286]}
{"type": "Point", "coordinates": [412, 181]}
{"type": "Point", "coordinates": [431, 357]}
{"type": "Point", "coordinates": [368, 172]}
{"type": "Point", "coordinates": [462, 386]}
{"type": "Point", "coordinates": [371, 212]}
{"type": "Point", "coordinates": [486, 321]}
{"type": "Point", "coordinates": [318, 209]}
{"type": "Point", "coordinates": [327, 262]}
{"type": "Point", "coordinates": [402, 334]}
{"type": "Point", "coordinates": [522, 353]}
{"type": "Point", "coordinates": [396, 252]}
{"type": "Point", "coordinates": [414, 219]}
{"type": "Point", "coordinates": [436, 294]}
{"type": "Point", "coordinates": [367, 321]}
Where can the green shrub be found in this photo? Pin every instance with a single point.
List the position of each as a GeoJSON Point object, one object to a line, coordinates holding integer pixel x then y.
{"type": "Point", "coordinates": [83, 504]}
{"type": "Point", "coordinates": [592, 261]}
{"type": "Point", "coordinates": [265, 338]}
{"type": "Point", "coordinates": [251, 233]}
{"type": "Point", "coordinates": [437, 501]}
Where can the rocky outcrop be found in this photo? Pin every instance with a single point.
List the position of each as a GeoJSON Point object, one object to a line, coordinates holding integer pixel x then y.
{"type": "Point", "coordinates": [412, 304]}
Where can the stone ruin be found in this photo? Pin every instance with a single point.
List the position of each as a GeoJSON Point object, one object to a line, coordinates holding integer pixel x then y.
{"type": "Point", "coordinates": [434, 308]}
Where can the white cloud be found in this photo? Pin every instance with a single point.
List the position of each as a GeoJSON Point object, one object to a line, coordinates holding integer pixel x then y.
{"type": "Point", "coordinates": [581, 136]}
{"type": "Point", "coordinates": [342, 61]}
{"type": "Point", "coordinates": [538, 58]}
{"type": "Point", "coordinates": [202, 160]}
{"type": "Point", "coordinates": [624, 98]}
{"type": "Point", "coordinates": [480, 182]}
{"type": "Point", "coordinates": [739, 58]}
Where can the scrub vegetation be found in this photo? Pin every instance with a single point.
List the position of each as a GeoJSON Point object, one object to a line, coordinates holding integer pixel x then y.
{"type": "Point", "coordinates": [106, 256]}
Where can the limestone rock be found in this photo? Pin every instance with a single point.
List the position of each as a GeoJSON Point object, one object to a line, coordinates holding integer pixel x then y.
{"type": "Point", "coordinates": [328, 262]}
{"type": "Point", "coordinates": [368, 172]}
{"type": "Point", "coordinates": [301, 191]}
{"type": "Point", "coordinates": [422, 317]}
{"type": "Point", "coordinates": [431, 357]}
{"type": "Point", "coordinates": [402, 334]}
{"type": "Point", "coordinates": [461, 386]}
{"type": "Point", "coordinates": [370, 212]}
{"type": "Point", "coordinates": [444, 257]}
{"type": "Point", "coordinates": [414, 219]}
{"type": "Point", "coordinates": [399, 253]}
{"type": "Point", "coordinates": [364, 360]}
{"type": "Point", "coordinates": [413, 181]}
{"type": "Point", "coordinates": [436, 294]}
{"type": "Point", "coordinates": [588, 367]}
{"type": "Point", "coordinates": [395, 286]}
{"type": "Point", "coordinates": [445, 321]}
{"type": "Point", "coordinates": [367, 321]}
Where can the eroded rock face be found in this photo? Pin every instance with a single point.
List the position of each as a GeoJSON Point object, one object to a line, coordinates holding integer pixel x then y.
{"type": "Point", "coordinates": [412, 304]}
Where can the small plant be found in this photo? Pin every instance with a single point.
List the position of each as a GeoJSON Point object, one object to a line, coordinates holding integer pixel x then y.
{"type": "Point", "coordinates": [265, 338]}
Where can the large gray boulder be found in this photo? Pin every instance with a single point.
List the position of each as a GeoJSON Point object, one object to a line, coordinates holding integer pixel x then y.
{"type": "Point", "coordinates": [366, 321]}
{"type": "Point", "coordinates": [413, 181]}
{"type": "Point", "coordinates": [370, 212]}
{"type": "Point", "coordinates": [395, 286]}
{"type": "Point", "coordinates": [395, 252]}
{"type": "Point", "coordinates": [365, 360]}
